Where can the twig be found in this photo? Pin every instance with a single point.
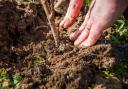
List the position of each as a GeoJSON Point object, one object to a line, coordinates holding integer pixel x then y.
{"type": "Point", "coordinates": [51, 20]}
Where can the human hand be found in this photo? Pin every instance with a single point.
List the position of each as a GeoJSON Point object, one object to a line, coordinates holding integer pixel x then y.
{"type": "Point", "coordinates": [101, 15]}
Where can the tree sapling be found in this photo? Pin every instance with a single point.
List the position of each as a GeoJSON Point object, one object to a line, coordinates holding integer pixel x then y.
{"type": "Point", "coordinates": [50, 17]}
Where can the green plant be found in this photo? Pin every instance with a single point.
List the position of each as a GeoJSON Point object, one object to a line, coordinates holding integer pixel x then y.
{"type": "Point", "coordinates": [108, 73]}
{"type": "Point", "coordinates": [3, 73]}
{"type": "Point", "coordinates": [16, 79]}
{"type": "Point", "coordinates": [121, 34]}
{"type": "Point", "coordinates": [38, 60]}
{"type": "Point", "coordinates": [119, 70]}
{"type": "Point", "coordinates": [9, 82]}
{"type": "Point", "coordinates": [88, 2]}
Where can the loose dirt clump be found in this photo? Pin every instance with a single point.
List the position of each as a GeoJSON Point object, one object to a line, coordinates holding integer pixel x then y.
{"type": "Point", "coordinates": [27, 46]}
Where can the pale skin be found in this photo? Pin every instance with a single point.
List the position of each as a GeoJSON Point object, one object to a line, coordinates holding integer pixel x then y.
{"type": "Point", "coordinates": [101, 15]}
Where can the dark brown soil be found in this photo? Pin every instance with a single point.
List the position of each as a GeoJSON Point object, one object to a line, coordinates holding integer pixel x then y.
{"type": "Point", "coordinates": [27, 46]}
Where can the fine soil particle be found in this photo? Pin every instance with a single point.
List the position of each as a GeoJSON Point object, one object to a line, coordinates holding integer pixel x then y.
{"type": "Point", "coordinates": [27, 46]}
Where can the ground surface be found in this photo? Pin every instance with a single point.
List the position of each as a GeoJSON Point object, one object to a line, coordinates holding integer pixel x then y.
{"type": "Point", "coordinates": [27, 47]}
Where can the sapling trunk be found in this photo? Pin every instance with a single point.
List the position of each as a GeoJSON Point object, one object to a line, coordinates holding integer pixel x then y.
{"type": "Point", "coordinates": [50, 17]}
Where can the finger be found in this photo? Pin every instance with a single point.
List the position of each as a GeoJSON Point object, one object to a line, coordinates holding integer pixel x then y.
{"type": "Point", "coordinates": [75, 34]}
{"type": "Point", "coordinates": [83, 36]}
{"type": "Point", "coordinates": [84, 33]}
{"type": "Point", "coordinates": [89, 11]}
{"type": "Point", "coordinates": [72, 13]}
{"type": "Point", "coordinates": [94, 35]}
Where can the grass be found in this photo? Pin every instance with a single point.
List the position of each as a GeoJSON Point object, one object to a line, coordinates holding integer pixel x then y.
{"type": "Point", "coordinates": [9, 82]}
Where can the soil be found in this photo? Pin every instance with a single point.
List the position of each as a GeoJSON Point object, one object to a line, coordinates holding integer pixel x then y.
{"type": "Point", "coordinates": [27, 47]}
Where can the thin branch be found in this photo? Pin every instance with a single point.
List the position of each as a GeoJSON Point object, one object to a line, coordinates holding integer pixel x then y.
{"type": "Point", "coordinates": [51, 20]}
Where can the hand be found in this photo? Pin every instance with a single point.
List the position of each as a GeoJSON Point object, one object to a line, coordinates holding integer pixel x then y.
{"type": "Point", "coordinates": [101, 15]}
